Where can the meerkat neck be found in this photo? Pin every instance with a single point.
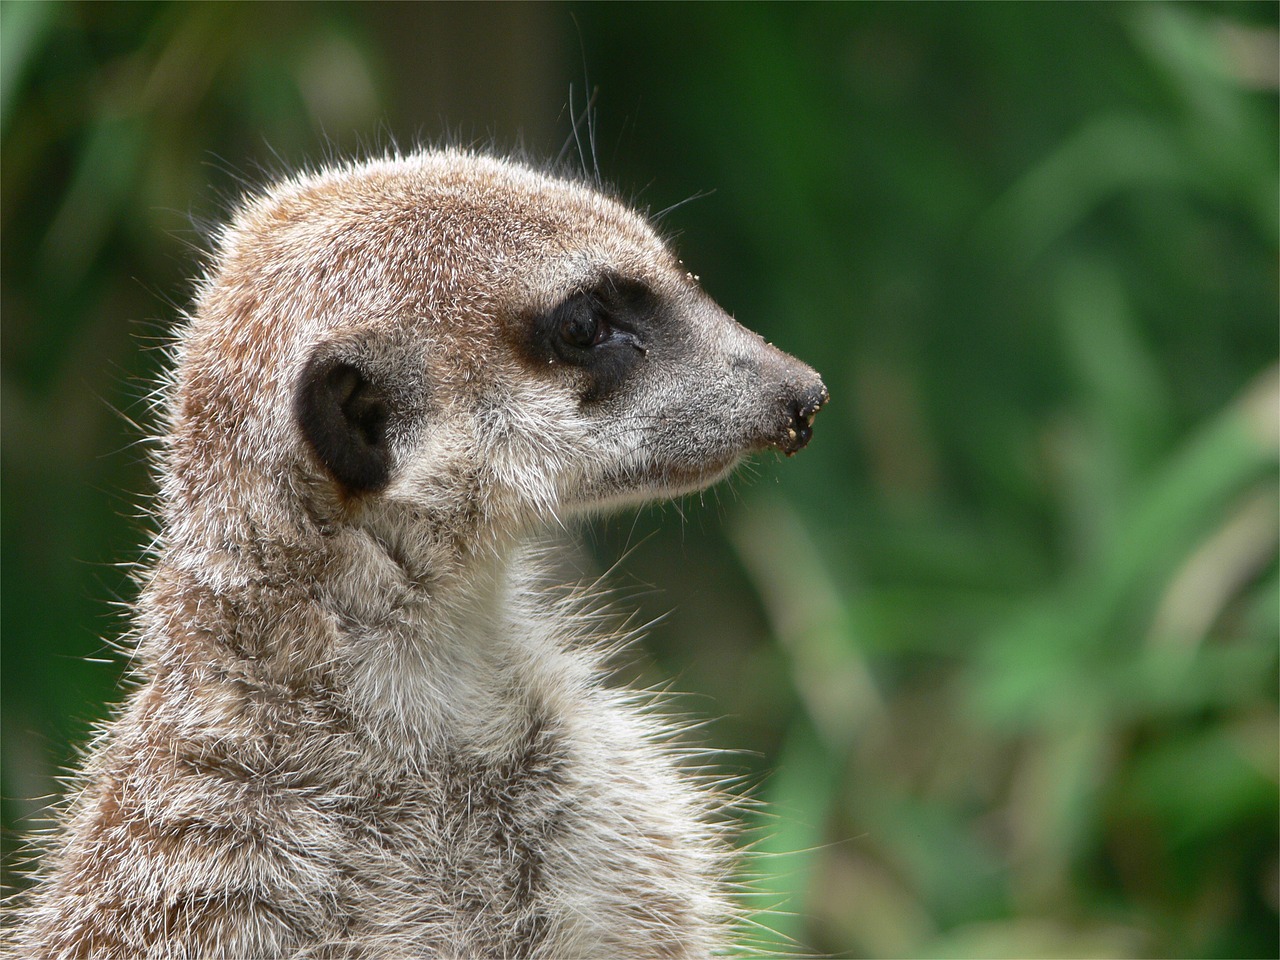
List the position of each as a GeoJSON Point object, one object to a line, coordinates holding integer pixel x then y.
{"type": "Point", "coordinates": [455, 663]}
{"type": "Point", "coordinates": [423, 647]}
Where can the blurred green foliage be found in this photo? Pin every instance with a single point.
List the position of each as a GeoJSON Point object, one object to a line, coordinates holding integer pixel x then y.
{"type": "Point", "coordinates": [1001, 646]}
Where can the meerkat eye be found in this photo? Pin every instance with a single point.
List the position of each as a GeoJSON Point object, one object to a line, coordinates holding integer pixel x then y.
{"type": "Point", "coordinates": [582, 326]}
{"type": "Point", "coordinates": [601, 330]}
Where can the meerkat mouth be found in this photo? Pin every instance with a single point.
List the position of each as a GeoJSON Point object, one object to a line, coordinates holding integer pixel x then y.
{"type": "Point", "coordinates": [648, 481]}
{"type": "Point", "coordinates": [675, 480]}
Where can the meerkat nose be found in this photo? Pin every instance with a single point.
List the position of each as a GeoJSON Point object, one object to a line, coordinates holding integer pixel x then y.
{"type": "Point", "coordinates": [802, 407]}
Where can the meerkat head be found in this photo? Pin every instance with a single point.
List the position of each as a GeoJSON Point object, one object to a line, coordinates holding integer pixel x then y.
{"type": "Point", "coordinates": [450, 334]}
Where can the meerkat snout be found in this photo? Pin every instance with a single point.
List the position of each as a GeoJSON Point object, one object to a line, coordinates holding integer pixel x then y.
{"type": "Point", "coordinates": [794, 393]}
{"type": "Point", "coordinates": [363, 726]}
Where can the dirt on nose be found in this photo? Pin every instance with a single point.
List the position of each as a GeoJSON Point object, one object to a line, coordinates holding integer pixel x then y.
{"type": "Point", "coordinates": [801, 409]}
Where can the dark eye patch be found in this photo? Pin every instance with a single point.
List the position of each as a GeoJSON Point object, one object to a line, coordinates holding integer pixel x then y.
{"type": "Point", "coordinates": [601, 330]}
{"type": "Point", "coordinates": [625, 295]}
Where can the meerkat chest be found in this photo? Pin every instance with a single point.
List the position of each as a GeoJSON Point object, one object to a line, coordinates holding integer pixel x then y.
{"type": "Point", "coordinates": [566, 846]}
{"type": "Point", "coordinates": [456, 851]}
{"type": "Point", "coordinates": [538, 834]}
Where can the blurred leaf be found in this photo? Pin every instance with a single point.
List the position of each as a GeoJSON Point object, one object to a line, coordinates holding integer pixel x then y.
{"type": "Point", "coordinates": [1109, 154]}
{"type": "Point", "coordinates": [1199, 785]}
{"type": "Point", "coordinates": [1032, 938]}
{"type": "Point", "coordinates": [798, 804]}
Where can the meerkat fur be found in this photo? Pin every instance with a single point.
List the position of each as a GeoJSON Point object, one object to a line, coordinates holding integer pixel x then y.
{"type": "Point", "coordinates": [362, 724]}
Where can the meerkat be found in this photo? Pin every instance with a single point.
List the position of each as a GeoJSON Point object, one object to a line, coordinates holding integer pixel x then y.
{"type": "Point", "coordinates": [361, 726]}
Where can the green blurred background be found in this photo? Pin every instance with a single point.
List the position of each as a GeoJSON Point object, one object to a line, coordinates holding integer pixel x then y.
{"type": "Point", "coordinates": [999, 649]}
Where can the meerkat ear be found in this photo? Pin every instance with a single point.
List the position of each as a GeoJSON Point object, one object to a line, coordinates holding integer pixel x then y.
{"type": "Point", "coordinates": [343, 414]}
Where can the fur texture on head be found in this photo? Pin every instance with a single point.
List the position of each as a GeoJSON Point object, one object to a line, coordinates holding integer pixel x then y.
{"type": "Point", "coordinates": [363, 727]}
